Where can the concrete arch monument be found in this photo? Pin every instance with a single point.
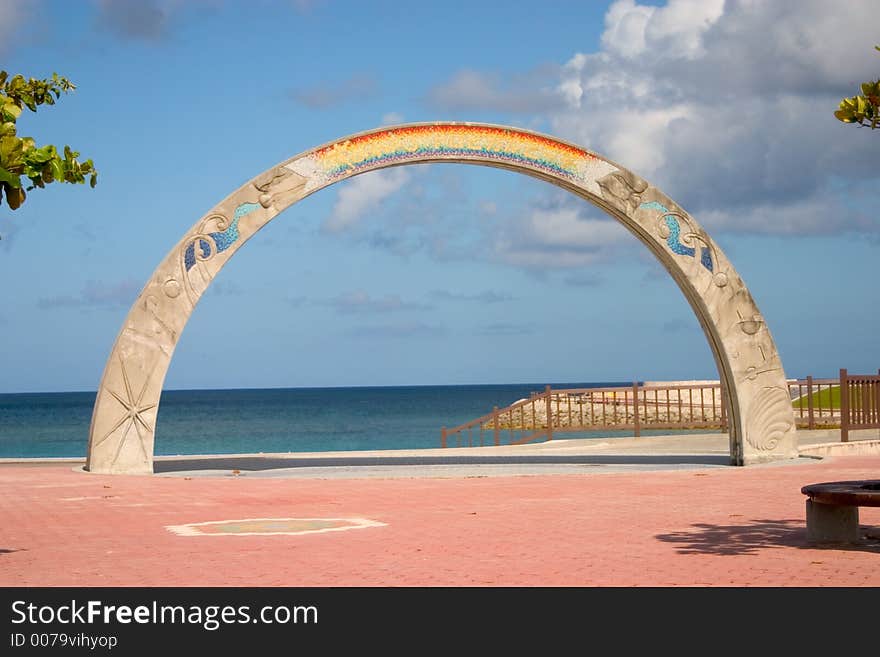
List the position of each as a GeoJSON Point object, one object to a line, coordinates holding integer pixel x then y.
{"type": "Point", "coordinates": [761, 419]}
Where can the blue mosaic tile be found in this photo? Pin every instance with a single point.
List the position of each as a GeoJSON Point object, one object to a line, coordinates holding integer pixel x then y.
{"type": "Point", "coordinates": [654, 205]}
{"type": "Point", "coordinates": [189, 257]}
{"type": "Point", "coordinates": [706, 258]}
{"type": "Point", "coordinates": [673, 242]}
{"type": "Point", "coordinates": [222, 239]}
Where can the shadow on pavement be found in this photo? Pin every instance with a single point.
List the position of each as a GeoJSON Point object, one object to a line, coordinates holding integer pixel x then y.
{"type": "Point", "coordinates": [258, 463]}
{"type": "Point", "coordinates": [750, 538]}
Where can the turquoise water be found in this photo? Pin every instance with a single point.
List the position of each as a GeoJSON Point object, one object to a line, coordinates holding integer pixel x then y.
{"type": "Point", "coordinates": [268, 420]}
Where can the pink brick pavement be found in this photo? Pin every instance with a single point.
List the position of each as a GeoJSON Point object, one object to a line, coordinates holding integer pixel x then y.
{"type": "Point", "coordinates": [707, 527]}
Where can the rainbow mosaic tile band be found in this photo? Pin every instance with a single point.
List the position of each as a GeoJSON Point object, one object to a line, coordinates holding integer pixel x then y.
{"type": "Point", "coordinates": [453, 141]}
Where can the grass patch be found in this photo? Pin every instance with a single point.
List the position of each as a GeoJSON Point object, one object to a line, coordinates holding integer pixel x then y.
{"type": "Point", "coordinates": [826, 398]}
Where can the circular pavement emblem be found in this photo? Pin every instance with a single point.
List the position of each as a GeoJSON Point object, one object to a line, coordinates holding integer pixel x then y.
{"type": "Point", "coordinates": [271, 526]}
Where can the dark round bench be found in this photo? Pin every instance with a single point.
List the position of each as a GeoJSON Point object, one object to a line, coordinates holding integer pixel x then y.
{"type": "Point", "coordinates": [833, 509]}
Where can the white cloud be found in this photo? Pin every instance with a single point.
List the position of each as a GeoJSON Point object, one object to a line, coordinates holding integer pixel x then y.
{"type": "Point", "coordinates": [147, 20]}
{"type": "Point", "coordinates": [305, 6]}
{"type": "Point", "coordinates": [363, 194]}
{"type": "Point", "coordinates": [675, 30]}
{"type": "Point", "coordinates": [397, 331]}
{"type": "Point", "coordinates": [12, 15]}
{"type": "Point", "coordinates": [392, 118]}
{"type": "Point", "coordinates": [625, 24]}
{"type": "Point", "coordinates": [557, 238]}
{"type": "Point", "coordinates": [563, 228]}
{"type": "Point", "coordinates": [728, 107]}
{"type": "Point", "coordinates": [811, 215]}
{"type": "Point", "coordinates": [470, 90]}
{"type": "Point", "coordinates": [485, 297]}
{"type": "Point", "coordinates": [487, 208]}
{"type": "Point", "coordinates": [96, 294]}
{"type": "Point", "coordinates": [332, 94]}
{"type": "Point", "coordinates": [360, 302]}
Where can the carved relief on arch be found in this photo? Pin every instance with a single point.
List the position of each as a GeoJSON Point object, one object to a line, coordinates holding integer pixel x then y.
{"type": "Point", "coordinates": [214, 234]}
{"type": "Point", "coordinates": [769, 418]}
{"type": "Point", "coordinates": [623, 189]}
{"type": "Point", "coordinates": [279, 188]}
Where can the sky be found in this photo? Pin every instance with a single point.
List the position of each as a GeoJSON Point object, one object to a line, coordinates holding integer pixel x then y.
{"type": "Point", "coordinates": [442, 273]}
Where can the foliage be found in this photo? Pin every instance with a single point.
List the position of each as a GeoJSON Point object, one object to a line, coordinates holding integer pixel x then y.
{"type": "Point", "coordinates": [863, 109]}
{"type": "Point", "coordinates": [20, 156]}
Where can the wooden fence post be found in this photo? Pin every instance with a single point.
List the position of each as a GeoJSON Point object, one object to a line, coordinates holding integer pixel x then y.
{"type": "Point", "coordinates": [443, 437]}
{"type": "Point", "coordinates": [844, 407]}
{"type": "Point", "coordinates": [495, 425]}
{"type": "Point", "coordinates": [810, 422]}
{"type": "Point", "coordinates": [549, 414]}
{"type": "Point", "coordinates": [723, 409]}
{"type": "Point", "coordinates": [637, 428]}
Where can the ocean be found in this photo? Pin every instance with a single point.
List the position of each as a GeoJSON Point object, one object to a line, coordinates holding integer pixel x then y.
{"type": "Point", "coordinates": [265, 420]}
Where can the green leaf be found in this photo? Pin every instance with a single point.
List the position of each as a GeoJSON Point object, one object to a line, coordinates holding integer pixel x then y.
{"type": "Point", "coordinates": [20, 158]}
{"type": "Point", "coordinates": [9, 178]}
{"type": "Point", "coordinates": [10, 148]}
{"type": "Point", "coordinates": [12, 111]}
{"type": "Point", "coordinates": [41, 155]}
{"type": "Point", "coordinates": [15, 197]}
{"type": "Point", "coordinates": [57, 169]}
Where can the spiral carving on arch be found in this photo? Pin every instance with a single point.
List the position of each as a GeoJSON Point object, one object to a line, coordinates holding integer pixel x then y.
{"type": "Point", "coordinates": [682, 242]}
{"type": "Point", "coordinates": [206, 243]}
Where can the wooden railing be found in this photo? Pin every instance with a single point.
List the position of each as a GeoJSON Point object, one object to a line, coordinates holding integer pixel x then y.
{"type": "Point", "coordinates": [698, 405]}
{"type": "Point", "coordinates": [814, 403]}
{"type": "Point", "coordinates": [859, 402]}
{"type": "Point", "coordinates": [521, 421]}
{"type": "Point", "coordinates": [632, 408]}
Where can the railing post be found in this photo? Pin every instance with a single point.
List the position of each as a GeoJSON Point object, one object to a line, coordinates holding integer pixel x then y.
{"type": "Point", "coordinates": [723, 408]}
{"type": "Point", "coordinates": [877, 399]}
{"type": "Point", "coordinates": [495, 425]}
{"type": "Point", "coordinates": [549, 414]}
{"type": "Point", "coordinates": [810, 422]}
{"type": "Point", "coordinates": [844, 407]}
{"type": "Point", "coordinates": [442, 437]}
{"type": "Point", "coordinates": [637, 428]}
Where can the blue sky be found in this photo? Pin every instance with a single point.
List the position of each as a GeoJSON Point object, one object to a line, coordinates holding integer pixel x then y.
{"type": "Point", "coordinates": [442, 273]}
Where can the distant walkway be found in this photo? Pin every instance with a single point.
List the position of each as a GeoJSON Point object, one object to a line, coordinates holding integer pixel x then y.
{"type": "Point", "coordinates": [559, 456]}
